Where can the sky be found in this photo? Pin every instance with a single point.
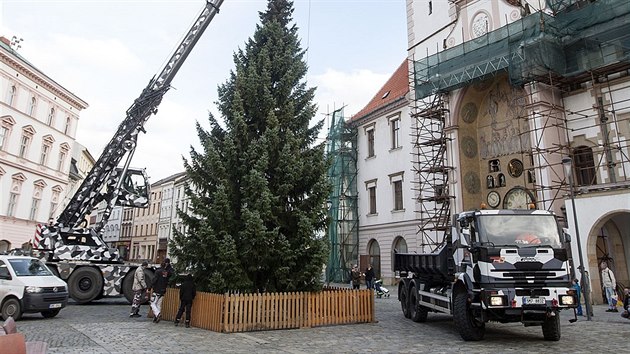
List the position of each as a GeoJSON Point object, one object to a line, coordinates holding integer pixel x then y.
{"type": "Point", "coordinates": [106, 51]}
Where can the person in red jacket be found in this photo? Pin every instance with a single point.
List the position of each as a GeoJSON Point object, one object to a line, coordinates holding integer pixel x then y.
{"type": "Point", "coordinates": [187, 292]}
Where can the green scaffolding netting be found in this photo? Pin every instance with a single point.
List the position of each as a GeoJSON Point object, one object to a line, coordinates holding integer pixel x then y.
{"type": "Point", "coordinates": [568, 47]}
{"type": "Point", "coordinates": [343, 230]}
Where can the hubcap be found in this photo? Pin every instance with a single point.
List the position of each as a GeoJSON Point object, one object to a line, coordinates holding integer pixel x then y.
{"type": "Point", "coordinates": [85, 284]}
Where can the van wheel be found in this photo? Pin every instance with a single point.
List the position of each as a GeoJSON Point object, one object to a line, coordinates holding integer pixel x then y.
{"type": "Point", "coordinates": [50, 313]}
{"type": "Point", "coordinates": [11, 308]}
{"type": "Point", "coordinates": [85, 284]}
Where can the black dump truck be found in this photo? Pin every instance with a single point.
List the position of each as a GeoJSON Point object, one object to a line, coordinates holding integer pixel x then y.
{"type": "Point", "coordinates": [495, 265]}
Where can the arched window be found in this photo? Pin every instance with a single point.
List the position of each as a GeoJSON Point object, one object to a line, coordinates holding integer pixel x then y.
{"type": "Point", "coordinates": [31, 106]}
{"type": "Point", "coordinates": [51, 116]}
{"type": "Point", "coordinates": [374, 251]}
{"type": "Point", "coordinates": [399, 246]}
{"type": "Point", "coordinates": [11, 95]}
{"type": "Point", "coordinates": [584, 165]}
{"type": "Point", "coordinates": [5, 246]}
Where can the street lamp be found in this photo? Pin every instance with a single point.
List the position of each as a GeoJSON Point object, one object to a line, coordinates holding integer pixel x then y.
{"type": "Point", "coordinates": [568, 170]}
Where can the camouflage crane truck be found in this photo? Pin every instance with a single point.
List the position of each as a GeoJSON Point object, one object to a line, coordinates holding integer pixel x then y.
{"type": "Point", "coordinates": [495, 265]}
{"type": "Point", "coordinates": [76, 252]}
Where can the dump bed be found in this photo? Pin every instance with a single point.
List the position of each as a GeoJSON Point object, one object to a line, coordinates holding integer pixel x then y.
{"type": "Point", "coordinates": [430, 267]}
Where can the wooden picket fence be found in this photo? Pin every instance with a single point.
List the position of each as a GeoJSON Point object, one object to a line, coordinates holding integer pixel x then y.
{"type": "Point", "coordinates": [230, 313]}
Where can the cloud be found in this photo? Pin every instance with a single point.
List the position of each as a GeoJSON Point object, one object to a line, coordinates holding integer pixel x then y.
{"type": "Point", "coordinates": [353, 89]}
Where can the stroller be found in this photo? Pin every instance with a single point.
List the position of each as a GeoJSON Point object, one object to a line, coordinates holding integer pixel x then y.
{"type": "Point", "coordinates": [379, 290]}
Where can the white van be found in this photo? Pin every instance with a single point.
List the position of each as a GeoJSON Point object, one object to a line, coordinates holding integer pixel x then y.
{"type": "Point", "coordinates": [28, 286]}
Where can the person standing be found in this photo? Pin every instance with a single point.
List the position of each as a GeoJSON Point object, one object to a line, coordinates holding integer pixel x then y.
{"type": "Point", "coordinates": [578, 291]}
{"type": "Point", "coordinates": [355, 274]}
{"type": "Point", "coordinates": [187, 292]}
{"type": "Point", "coordinates": [609, 283]}
{"type": "Point", "coordinates": [160, 283]}
{"type": "Point", "coordinates": [139, 288]}
{"type": "Point", "coordinates": [626, 304]}
{"type": "Point", "coordinates": [369, 277]}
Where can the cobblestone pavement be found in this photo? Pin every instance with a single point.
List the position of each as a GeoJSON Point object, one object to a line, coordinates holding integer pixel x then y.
{"type": "Point", "coordinates": [104, 327]}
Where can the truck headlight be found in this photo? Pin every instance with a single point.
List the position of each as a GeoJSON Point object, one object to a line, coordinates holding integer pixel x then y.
{"type": "Point", "coordinates": [497, 300]}
{"type": "Point", "coordinates": [33, 289]}
{"type": "Point", "coordinates": [567, 300]}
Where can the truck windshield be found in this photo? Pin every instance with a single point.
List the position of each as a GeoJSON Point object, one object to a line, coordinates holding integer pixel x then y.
{"type": "Point", "coordinates": [29, 267]}
{"type": "Point", "coordinates": [519, 230]}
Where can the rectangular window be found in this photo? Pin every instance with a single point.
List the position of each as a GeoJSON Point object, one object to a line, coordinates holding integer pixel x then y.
{"type": "Point", "coordinates": [372, 197]}
{"type": "Point", "coordinates": [395, 124]}
{"type": "Point", "coordinates": [13, 199]}
{"type": "Point", "coordinates": [26, 140]}
{"type": "Point", "coordinates": [370, 142]}
{"type": "Point", "coordinates": [34, 209]}
{"type": "Point", "coordinates": [44, 157]}
{"type": "Point", "coordinates": [62, 160]}
{"type": "Point", "coordinates": [53, 207]}
{"type": "Point", "coordinates": [4, 136]}
{"type": "Point", "coordinates": [398, 195]}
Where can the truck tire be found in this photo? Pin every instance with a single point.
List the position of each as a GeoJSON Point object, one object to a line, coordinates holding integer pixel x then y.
{"type": "Point", "coordinates": [469, 328]}
{"type": "Point", "coordinates": [127, 286]}
{"type": "Point", "coordinates": [50, 313]}
{"type": "Point", "coordinates": [404, 303]}
{"type": "Point", "coordinates": [85, 284]}
{"type": "Point", "coordinates": [418, 313]}
{"type": "Point", "coordinates": [11, 307]}
{"type": "Point", "coordinates": [551, 328]}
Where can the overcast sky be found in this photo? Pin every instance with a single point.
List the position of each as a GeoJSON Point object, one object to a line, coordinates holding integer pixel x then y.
{"type": "Point", "coordinates": [106, 51]}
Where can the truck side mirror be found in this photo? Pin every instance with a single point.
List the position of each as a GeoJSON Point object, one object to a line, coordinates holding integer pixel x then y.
{"type": "Point", "coordinates": [567, 236]}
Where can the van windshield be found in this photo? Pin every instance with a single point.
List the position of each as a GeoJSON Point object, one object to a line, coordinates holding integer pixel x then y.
{"type": "Point", "coordinates": [29, 267]}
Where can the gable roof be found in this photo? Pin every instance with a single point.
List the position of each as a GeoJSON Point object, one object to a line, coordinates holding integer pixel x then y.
{"type": "Point", "coordinates": [395, 88]}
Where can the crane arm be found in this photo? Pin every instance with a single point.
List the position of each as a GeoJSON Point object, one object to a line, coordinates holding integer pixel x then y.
{"type": "Point", "coordinates": [124, 141]}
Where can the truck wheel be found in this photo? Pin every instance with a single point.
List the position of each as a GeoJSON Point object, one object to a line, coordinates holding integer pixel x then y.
{"type": "Point", "coordinates": [50, 313]}
{"type": "Point", "coordinates": [11, 308]}
{"type": "Point", "coordinates": [127, 286]}
{"type": "Point", "coordinates": [469, 328]}
{"type": "Point", "coordinates": [85, 284]}
{"type": "Point", "coordinates": [418, 313]}
{"type": "Point", "coordinates": [551, 328]}
{"type": "Point", "coordinates": [404, 304]}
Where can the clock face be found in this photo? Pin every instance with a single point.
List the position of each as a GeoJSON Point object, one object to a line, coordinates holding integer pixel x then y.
{"type": "Point", "coordinates": [515, 168]}
{"type": "Point", "coordinates": [493, 199]}
{"type": "Point", "coordinates": [517, 198]}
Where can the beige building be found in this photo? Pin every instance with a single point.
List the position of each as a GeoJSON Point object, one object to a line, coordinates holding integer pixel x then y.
{"type": "Point", "coordinates": [38, 124]}
{"type": "Point", "coordinates": [145, 227]}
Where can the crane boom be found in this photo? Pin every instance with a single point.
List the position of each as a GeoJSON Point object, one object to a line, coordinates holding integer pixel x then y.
{"type": "Point", "coordinates": [67, 239]}
{"type": "Point", "coordinates": [124, 141]}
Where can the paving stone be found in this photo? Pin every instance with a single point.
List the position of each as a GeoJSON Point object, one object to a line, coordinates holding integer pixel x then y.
{"type": "Point", "coordinates": [104, 327]}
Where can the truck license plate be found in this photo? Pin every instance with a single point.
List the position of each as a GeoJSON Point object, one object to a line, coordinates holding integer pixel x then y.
{"type": "Point", "coordinates": [54, 306]}
{"type": "Point", "coordinates": [534, 301]}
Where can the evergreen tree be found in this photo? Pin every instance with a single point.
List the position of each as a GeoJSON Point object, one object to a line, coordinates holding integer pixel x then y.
{"type": "Point", "coordinates": [258, 188]}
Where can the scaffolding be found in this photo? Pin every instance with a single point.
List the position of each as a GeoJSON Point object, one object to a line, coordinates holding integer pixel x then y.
{"type": "Point", "coordinates": [343, 228]}
{"type": "Point", "coordinates": [432, 187]}
{"type": "Point", "coordinates": [582, 45]}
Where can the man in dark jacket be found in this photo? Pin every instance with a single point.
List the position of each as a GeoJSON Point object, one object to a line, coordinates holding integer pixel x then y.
{"type": "Point", "coordinates": [160, 282]}
{"type": "Point", "coordinates": [187, 293]}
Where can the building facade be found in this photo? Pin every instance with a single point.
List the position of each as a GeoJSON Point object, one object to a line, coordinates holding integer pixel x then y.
{"type": "Point", "coordinates": [513, 94]}
{"type": "Point", "coordinates": [38, 124]}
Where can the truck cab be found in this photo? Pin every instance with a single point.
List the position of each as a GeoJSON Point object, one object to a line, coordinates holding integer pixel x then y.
{"type": "Point", "coordinates": [28, 286]}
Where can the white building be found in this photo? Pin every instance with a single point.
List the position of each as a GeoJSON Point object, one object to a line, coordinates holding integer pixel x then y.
{"type": "Point", "coordinates": [386, 201]}
{"type": "Point", "coordinates": [38, 124]}
{"type": "Point", "coordinates": [520, 93]}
